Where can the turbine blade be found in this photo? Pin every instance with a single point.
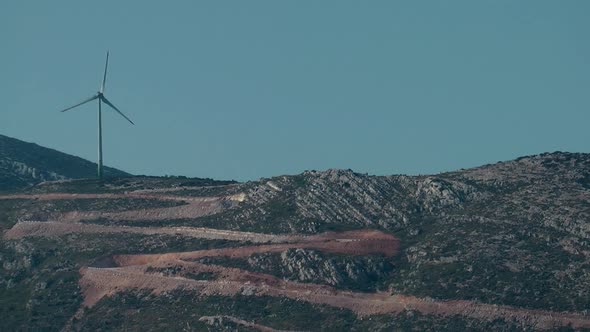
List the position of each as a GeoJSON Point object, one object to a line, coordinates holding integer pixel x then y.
{"type": "Point", "coordinates": [104, 78]}
{"type": "Point", "coordinates": [81, 103]}
{"type": "Point", "coordinates": [106, 101]}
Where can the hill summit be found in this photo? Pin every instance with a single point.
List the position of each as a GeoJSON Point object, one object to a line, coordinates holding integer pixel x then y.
{"type": "Point", "coordinates": [23, 164]}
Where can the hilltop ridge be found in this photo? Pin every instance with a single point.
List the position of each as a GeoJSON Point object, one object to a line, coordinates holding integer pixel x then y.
{"type": "Point", "coordinates": [23, 164]}
{"type": "Point", "coordinates": [504, 246]}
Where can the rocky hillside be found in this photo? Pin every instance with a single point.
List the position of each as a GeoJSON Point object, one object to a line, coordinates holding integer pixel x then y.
{"type": "Point", "coordinates": [497, 247]}
{"type": "Point", "coordinates": [23, 164]}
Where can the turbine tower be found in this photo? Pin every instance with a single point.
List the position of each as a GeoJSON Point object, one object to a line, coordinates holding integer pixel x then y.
{"type": "Point", "coordinates": [101, 99]}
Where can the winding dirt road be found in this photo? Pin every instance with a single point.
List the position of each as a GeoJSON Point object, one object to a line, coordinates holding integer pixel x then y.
{"type": "Point", "coordinates": [132, 272]}
{"type": "Point", "coordinates": [99, 282]}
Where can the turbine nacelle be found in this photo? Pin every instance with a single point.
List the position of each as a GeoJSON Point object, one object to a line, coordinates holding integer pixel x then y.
{"type": "Point", "coordinates": [100, 95]}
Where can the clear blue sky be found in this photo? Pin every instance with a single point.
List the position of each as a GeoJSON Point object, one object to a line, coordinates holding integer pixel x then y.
{"type": "Point", "coordinates": [246, 89]}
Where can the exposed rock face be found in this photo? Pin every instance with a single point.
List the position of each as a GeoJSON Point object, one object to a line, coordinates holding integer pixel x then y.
{"type": "Point", "coordinates": [529, 185]}
{"type": "Point", "coordinates": [435, 194]}
{"type": "Point", "coordinates": [464, 233]}
{"type": "Point", "coordinates": [22, 170]}
{"type": "Point", "coordinates": [306, 265]}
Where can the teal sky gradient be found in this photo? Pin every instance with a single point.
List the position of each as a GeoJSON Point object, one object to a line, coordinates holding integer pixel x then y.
{"type": "Point", "coordinates": [246, 89]}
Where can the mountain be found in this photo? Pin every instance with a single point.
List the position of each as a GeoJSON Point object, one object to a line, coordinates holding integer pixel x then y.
{"type": "Point", "coordinates": [23, 164]}
{"type": "Point", "coordinates": [502, 247]}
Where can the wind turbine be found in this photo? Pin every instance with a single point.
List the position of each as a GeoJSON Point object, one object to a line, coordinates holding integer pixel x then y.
{"type": "Point", "coordinates": [101, 99]}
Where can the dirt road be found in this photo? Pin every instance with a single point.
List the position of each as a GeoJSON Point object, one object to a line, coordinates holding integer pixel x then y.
{"type": "Point", "coordinates": [99, 282]}
{"type": "Point", "coordinates": [131, 272]}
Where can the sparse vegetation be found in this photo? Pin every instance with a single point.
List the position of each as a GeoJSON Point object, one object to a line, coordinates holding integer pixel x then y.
{"type": "Point", "coordinates": [39, 280]}
{"type": "Point", "coordinates": [513, 233]}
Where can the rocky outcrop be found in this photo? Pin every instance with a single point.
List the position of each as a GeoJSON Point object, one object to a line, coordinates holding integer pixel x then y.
{"type": "Point", "coordinates": [306, 265]}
